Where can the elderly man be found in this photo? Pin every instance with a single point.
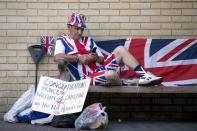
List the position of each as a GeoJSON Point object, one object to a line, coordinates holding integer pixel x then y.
{"type": "Point", "coordinates": [85, 60]}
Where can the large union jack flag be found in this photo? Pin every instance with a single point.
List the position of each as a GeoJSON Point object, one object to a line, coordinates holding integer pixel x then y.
{"type": "Point", "coordinates": [173, 59]}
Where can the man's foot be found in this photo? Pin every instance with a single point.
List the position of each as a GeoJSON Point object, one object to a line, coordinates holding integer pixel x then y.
{"type": "Point", "coordinates": [150, 80]}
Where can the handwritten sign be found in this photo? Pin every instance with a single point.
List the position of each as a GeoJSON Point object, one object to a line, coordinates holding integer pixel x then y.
{"type": "Point", "coordinates": [57, 97]}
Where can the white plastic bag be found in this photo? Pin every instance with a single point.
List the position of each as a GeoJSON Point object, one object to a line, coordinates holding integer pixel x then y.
{"type": "Point", "coordinates": [93, 117]}
{"type": "Point", "coordinates": [24, 102]}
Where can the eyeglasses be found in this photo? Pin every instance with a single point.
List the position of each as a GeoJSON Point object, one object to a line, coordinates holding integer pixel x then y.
{"type": "Point", "coordinates": [78, 28]}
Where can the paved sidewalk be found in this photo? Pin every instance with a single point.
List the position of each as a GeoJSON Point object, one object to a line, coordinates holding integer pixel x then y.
{"type": "Point", "coordinates": [115, 126]}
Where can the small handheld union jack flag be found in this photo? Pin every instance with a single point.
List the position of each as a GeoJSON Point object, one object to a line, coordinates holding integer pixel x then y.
{"type": "Point", "coordinates": [49, 43]}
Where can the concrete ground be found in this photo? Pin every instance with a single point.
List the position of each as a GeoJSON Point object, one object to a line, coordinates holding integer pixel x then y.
{"type": "Point", "coordinates": [114, 125]}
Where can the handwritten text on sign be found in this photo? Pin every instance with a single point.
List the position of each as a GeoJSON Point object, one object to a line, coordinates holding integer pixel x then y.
{"type": "Point", "coordinates": [58, 97]}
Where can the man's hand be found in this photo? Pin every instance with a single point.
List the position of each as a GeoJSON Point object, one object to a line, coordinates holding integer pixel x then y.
{"type": "Point", "coordinates": [99, 59]}
{"type": "Point", "coordinates": [88, 58]}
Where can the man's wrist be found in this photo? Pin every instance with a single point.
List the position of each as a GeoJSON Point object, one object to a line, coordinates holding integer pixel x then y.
{"type": "Point", "coordinates": [77, 58]}
{"type": "Point", "coordinates": [100, 59]}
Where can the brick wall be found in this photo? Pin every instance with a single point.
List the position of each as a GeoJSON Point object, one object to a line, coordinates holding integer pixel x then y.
{"type": "Point", "coordinates": [23, 21]}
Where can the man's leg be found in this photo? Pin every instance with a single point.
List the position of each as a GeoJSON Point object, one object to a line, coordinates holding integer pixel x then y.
{"type": "Point", "coordinates": [105, 77]}
{"type": "Point", "coordinates": [122, 56]}
{"type": "Point", "coordinates": [113, 78]}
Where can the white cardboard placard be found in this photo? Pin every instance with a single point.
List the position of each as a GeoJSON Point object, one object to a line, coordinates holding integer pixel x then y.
{"type": "Point", "coordinates": [57, 97]}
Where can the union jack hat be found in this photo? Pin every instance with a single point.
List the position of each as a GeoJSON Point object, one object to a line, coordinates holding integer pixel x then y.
{"type": "Point", "coordinates": [77, 19]}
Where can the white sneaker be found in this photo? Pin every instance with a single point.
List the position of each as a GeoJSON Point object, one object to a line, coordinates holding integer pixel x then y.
{"type": "Point", "coordinates": [150, 80]}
